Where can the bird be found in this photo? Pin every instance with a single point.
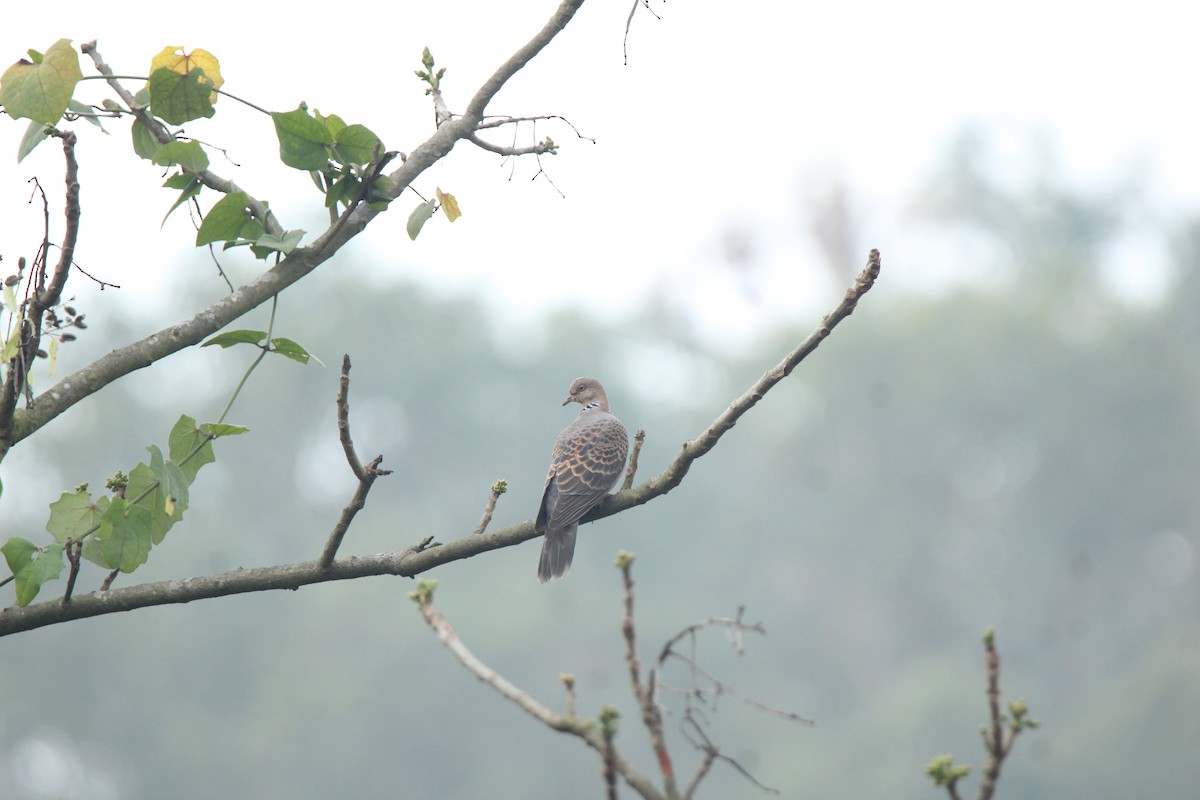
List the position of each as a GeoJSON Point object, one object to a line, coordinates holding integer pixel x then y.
{"type": "Point", "coordinates": [588, 459]}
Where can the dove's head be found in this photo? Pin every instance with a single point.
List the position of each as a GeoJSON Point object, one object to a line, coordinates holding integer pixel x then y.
{"type": "Point", "coordinates": [587, 392]}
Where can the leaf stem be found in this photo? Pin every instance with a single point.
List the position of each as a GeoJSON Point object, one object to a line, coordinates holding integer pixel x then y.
{"type": "Point", "coordinates": [266, 348]}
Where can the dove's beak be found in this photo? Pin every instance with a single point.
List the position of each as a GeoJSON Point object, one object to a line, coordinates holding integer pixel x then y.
{"type": "Point", "coordinates": [567, 400]}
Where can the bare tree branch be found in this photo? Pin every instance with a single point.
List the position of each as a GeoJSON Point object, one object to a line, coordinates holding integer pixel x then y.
{"type": "Point", "coordinates": [576, 726]}
{"type": "Point", "coordinates": [707, 440]}
{"type": "Point", "coordinates": [651, 714]}
{"type": "Point", "coordinates": [998, 736]}
{"type": "Point", "coordinates": [708, 695]}
{"type": "Point", "coordinates": [416, 560]}
{"type": "Point", "coordinates": [999, 739]}
{"type": "Point", "coordinates": [532, 150]}
{"type": "Point", "coordinates": [343, 421]}
{"type": "Point", "coordinates": [639, 439]}
{"type": "Point", "coordinates": [366, 475]}
{"type": "Point", "coordinates": [498, 488]}
{"type": "Point", "coordinates": [44, 296]}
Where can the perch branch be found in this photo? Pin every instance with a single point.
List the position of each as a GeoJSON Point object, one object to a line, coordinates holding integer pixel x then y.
{"type": "Point", "coordinates": [416, 560]}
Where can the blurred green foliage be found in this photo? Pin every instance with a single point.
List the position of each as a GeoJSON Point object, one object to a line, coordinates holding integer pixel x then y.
{"type": "Point", "coordinates": [1022, 454]}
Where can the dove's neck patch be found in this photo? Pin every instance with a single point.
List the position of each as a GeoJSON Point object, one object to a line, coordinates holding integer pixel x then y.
{"type": "Point", "coordinates": [592, 406]}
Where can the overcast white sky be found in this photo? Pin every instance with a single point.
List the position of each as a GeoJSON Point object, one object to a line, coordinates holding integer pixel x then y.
{"type": "Point", "coordinates": [728, 115]}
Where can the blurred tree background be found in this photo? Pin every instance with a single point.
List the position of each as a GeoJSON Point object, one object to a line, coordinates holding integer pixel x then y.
{"type": "Point", "coordinates": [1017, 449]}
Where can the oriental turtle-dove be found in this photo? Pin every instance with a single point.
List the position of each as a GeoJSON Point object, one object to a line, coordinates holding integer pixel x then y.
{"type": "Point", "coordinates": [588, 459]}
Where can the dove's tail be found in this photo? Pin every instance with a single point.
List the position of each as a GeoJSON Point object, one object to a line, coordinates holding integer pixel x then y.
{"type": "Point", "coordinates": [557, 552]}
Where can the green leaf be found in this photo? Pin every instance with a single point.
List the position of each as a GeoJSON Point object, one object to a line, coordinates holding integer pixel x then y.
{"type": "Point", "coordinates": [126, 539]}
{"type": "Point", "coordinates": [293, 350]}
{"type": "Point", "coordinates": [42, 90]}
{"type": "Point", "coordinates": [32, 566]}
{"type": "Point", "coordinates": [341, 189]}
{"type": "Point", "coordinates": [190, 185]}
{"type": "Point", "coordinates": [219, 429]}
{"type": "Point", "coordinates": [142, 478]}
{"type": "Point", "coordinates": [179, 180]}
{"type": "Point", "coordinates": [18, 552]}
{"type": "Point", "coordinates": [184, 440]}
{"type": "Point", "coordinates": [285, 244]}
{"type": "Point", "coordinates": [10, 346]}
{"type": "Point", "coordinates": [144, 142]}
{"type": "Point", "coordinates": [86, 113]}
{"type": "Point", "coordinates": [171, 480]}
{"type": "Point", "coordinates": [333, 122]}
{"type": "Point", "coordinates": [180, 98]}
{"type": "Point", "coordinates": [381, 190]}
{"type": "Point", "coordinates": [302, 139]}
{"type": "Point", "coordinates": [189, 155]}
{"type": "Point", "coordinates": [72, 515]}
{"type": "Point", "coordinates": [356, 144]}
{"type": "Point", "coordinates": [224, 221]}
{"type": "Point", "coordinates": [35, 134]}
{"type": "Point", "coordinates": [419, 216]}
{"type": "Point", "coordinates": [230, 338]}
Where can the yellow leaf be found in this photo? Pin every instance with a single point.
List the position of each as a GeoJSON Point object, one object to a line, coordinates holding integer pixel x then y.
{"type": "Point", "coordinates": [53, 355]}
{"type": "Point", "coordinates": [176, 60]}
{"type": "Point", "coordinates": [449, 205]}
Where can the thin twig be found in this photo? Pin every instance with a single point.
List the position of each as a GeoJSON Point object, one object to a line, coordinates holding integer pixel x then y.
{"type": "Point", "coordinates": [610, 763]}
{"type": "Point", "coordinates": [651, 716]}
{"type": "Point", "coordinates": [1004, 728]}
{"type": "Point", "coordinates": [112, 576]}
{"type": "Point", "coordinates": [638, 439]}
{"type": "Point", "coordinates": [40, 294]}
{"type": "Point", "coordinates": [673, 475]}
{"type": "Point", "coordinates": [498, 488]}
{"type": "Point", "coordinates": [531, 150]}
{"type": "Point", "coordinates": [629, 23]}
{"type": "Point", "coordinates": [568, 682]}
{"type": "Point", "coordinates": [366, 475]}
{"type": "Point", "coordinates": [73, 549]}
{"type": "Point", "coordinates": [576, 726]}
{"type": "Point", "coordinates": [356, 504]}
{"type": "Point", "coordinates": [343, 421]}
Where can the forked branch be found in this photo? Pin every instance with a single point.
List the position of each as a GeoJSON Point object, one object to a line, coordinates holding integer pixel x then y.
{"type": "Point", "coordinates": [413, 561]}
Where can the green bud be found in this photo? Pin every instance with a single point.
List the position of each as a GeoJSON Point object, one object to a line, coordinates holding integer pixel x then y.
{"type": "Point", "coordinates": [609, 717]}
